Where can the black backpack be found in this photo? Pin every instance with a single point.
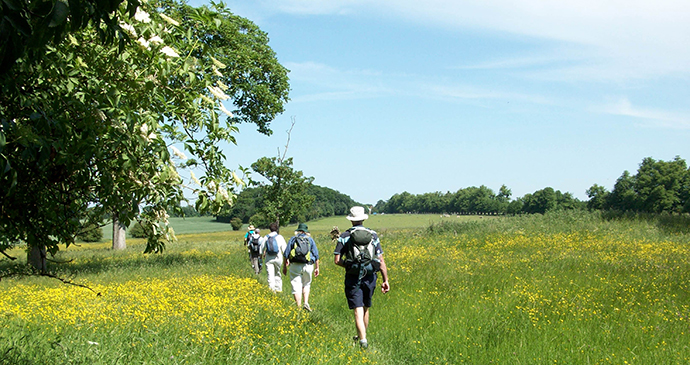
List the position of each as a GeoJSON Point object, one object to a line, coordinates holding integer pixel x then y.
{"type": "Point", "coordinates": [254, 243]}
{"type": "Point", "coordinates": [301, 250]}
{"type": "Point", "coordinates": [360, 253]}
{"type": "Point", "coordinates": [271, 245]}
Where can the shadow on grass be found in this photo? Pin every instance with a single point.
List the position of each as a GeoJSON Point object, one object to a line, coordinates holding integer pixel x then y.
{"type": "Point", "coordinates": [673, 224]}
{"type": "Point", "coordinates": [114, 263]}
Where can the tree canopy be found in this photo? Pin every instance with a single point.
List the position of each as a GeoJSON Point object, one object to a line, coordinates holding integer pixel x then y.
{"type": "Point", "coordinates": [90, 128]}
{"type": "Point", "coordinates": [657, 187]}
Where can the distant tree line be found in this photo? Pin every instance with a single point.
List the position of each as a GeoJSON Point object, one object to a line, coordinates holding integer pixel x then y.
{"type": "Point", "coordinates": [479, 200]}
{"type": "Point", "coordinates": [249, 203]}
{"type": "Point", "coordinates": [657, 187]}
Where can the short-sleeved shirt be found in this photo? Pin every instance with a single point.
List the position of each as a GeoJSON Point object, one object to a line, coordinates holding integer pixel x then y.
{"type": "Point", "coordinates": [280, 241]}
{"type": "Point", "coordinates": [312, 247]}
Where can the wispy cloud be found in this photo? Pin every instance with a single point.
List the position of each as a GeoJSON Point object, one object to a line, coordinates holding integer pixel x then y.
{"type": "Point", "coordinates": [322, 82]}
{"type": "Point", "coordinates": [647, 116]}
{"type": "Point", "coordinates": [623, 38]}
{"type": "Point", "coordinates": [467, 92]}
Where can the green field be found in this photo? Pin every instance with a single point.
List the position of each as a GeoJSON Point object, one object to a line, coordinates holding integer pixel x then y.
{"type": "Point", "coordinates": [562, 288]}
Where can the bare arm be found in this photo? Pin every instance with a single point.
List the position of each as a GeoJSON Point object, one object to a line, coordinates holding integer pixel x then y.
{"type": "Point", "coordinates": [385, 286]}
{"type": "Point", "coordinates": [338, 261]}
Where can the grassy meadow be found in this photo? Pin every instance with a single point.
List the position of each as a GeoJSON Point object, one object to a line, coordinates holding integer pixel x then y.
{"type": "Point", "coordinates": [568, 288]}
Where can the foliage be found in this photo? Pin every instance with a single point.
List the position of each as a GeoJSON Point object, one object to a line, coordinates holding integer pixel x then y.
{"type": "Point", "coordinates": [657, 187]}
{"type": "Point", "coordinates": [185, 211]}
{"type": "Point", "coordinates": [327, 203]}
{"type": "Point", "coordinates": [260, 220]}
{"type": "Point", "coordinates": [137, 231]}
{"type": "Point", "coordinates": [236, 223]}
{"type": "Point", "coordinates": [29, 26]}
{"type": "Point", "coordinates": [91, 233]}
{"type": "Point", "coordinates": [479, 200]}
{"type": "Point", "coordinates": [285, 196]}
{"type": "Point", "coordinates": [87, 127]}
{"type": "Point", "coordinates": [246, 204]}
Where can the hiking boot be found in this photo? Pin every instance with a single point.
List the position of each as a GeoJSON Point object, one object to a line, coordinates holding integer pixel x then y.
{"type": "Point", "coordinates": [307, 307]}
{"type": "Point", "coordinates": [363, 344]}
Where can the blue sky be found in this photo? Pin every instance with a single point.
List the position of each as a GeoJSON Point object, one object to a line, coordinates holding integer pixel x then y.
{"type": "Point", "coordinates": [439, 95]}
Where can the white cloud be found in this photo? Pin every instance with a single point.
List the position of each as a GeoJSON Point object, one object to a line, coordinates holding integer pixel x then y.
{"type": "Point", "coordinates": [335, 84]}
{"type": "Point", "coordinates": [621, 38]}
{"type": "Point", "coordinates": [470, 93]}
{"type": "Point", "coordinates": [649, 117]}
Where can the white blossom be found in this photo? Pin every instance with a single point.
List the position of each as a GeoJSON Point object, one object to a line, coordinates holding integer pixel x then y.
{"type": "Point", "coordinates": [170, 20]}
{"type": "Point", "coordinates": [227, 112]}
{"type": "Point", "coordinates": [218, 73]}
{"type": "Point", "coordinates": [129, 29]}
{"type": "Point", "coordinates": [169, 52]}
{"type": "Point", "coordinates": [221, 85]}
{"type": "Point", "coordinates": [193, 177]}
{"type": "Point", "coordinates": [144, 43]}
{"type": "Point", "coordinates": [217, 92]}
{"type": "Point", "coordinates": [218, 64]}
{"type": "Point", "coordinates": [142, 16]}
{"type": "Point", "coordinates": [207, 99]}
{"type": "Point", "coordinates": [223, 193]}
{"type": "Point", "coordinates": [145, 132]}
{"type": "Point", "coordinates": [178, 153]}
{"type": "Point", "coordinates": [211, 185]}
{"type": "Point", "coordinates": [156, 40]}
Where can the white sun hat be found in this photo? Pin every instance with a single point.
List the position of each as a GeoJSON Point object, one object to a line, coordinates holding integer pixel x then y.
{"type": "Point", "coordinates": [357, 214]}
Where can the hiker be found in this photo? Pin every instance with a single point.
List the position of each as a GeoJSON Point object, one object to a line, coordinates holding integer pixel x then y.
{"type": "Point", "coordinates": [250, 231]}
{"type": "Point", "coordinates": [302, 258]}
{"type": "Point", "coordinates": [359, 251]}
{"type": "Point", "coordinates": [272, 251]}
{"type": "Point", "coordinates": [254, 244]}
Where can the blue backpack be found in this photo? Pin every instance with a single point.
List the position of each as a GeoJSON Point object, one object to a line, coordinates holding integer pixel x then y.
{"type": "Point", "coordinates": [271, 245]}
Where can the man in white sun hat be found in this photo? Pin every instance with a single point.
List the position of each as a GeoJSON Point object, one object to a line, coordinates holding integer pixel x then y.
{"type": "Point", "coordinates": [359, 251]}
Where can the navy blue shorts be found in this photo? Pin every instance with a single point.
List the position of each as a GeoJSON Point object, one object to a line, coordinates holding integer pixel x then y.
{"type": "Point", "coordinates": [359, 296]}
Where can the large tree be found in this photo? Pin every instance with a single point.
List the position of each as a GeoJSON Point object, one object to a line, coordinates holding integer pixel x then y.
{"type": "Point", "coordinates": [28, 26]}
{"type": "Point", "coordinates": [87, 130]}
{"type": "Point", "coordinates": [285, 194]}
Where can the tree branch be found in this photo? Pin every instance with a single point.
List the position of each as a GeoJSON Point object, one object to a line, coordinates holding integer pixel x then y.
{"type": "Point", "coordinates": [8, 256]}
{"type": "Point", "coordinates": [289, 131]}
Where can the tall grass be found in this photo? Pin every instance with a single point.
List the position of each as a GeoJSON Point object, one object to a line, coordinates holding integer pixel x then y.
{"type": "Point", "coordinates": [570, 287]}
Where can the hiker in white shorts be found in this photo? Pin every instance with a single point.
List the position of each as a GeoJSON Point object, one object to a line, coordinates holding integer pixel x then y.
{"type": "Point", "coordinates": [272, 251]}
{"type": "Point", "coordinates": [302, 257]}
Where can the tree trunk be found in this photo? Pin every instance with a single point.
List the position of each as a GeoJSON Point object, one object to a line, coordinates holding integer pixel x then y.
{"type": "Point", "coordinates": [36, 257]}
{"type": "Point", "coordinates": [119, 235]}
